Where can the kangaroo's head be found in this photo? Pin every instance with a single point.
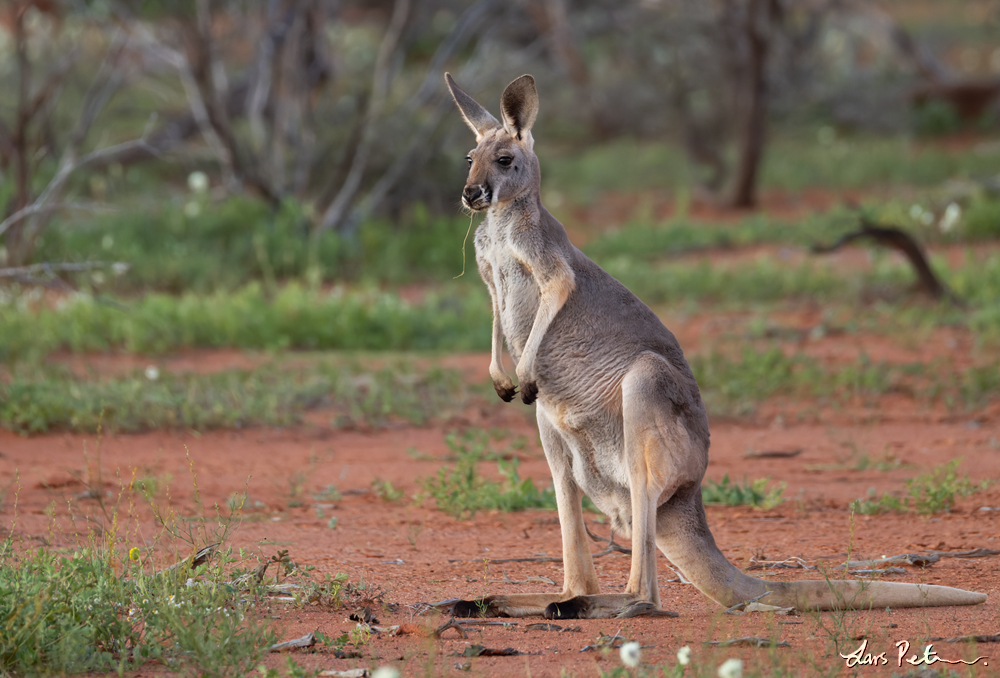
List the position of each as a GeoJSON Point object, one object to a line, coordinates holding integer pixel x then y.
{"type": "Point", "coordinates": [503, 165]}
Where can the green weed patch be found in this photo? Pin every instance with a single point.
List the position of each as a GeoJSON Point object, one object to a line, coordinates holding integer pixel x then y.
{"type": "Point", "coordinates": [228, 245]}
{"type": "Point", "coordinates": [93, 611]}
{"type": "Point", "coordinates": [273, 395]}
{"type": "Point", "coordinates": [932, 492]}
{"type": "Point", "coordinates": [294, 317]}
{"type": "Point", "coordinates": [735, 385]}
{"type": "Point", "coordinates": [461, 491]}
{"type": "Point", "coordinates": [754, 493]}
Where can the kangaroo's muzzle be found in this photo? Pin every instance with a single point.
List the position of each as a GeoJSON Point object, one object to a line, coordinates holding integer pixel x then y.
{"type": "Point", "coordinates": [476, 197]}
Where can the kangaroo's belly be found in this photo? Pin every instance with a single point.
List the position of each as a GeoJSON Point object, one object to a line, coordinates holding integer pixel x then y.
{"type": "Point", "coordinates": [593, 449]}
{"type": "Point", "coordinates": [517, 299]}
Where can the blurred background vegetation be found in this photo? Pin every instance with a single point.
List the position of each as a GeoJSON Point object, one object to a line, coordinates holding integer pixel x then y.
{"type": "Point", "coordinates": [296, 155]}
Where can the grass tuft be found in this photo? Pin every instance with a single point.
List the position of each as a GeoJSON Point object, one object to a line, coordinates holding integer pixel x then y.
{"type": "Point", "coordinates": [932, 492]}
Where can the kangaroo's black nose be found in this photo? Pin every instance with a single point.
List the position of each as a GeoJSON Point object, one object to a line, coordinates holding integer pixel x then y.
{"type": "Point", "coordinates": [472, 193]}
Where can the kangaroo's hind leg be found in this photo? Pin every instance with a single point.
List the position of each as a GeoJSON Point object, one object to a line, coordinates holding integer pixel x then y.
{"type": "Point", "coordinates": [655, 459]}
{"type": "Point", "coordinates": [579, 575]}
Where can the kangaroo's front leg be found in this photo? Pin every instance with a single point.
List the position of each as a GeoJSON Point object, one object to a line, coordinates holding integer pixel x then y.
{"type": "Point", "coordinates": [555, 281]}
{"type": "Point", "coordinates": [502, 383]}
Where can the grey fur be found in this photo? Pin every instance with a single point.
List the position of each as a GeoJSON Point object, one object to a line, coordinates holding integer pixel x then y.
{"type": "Point", "coordinates": [619, 411]}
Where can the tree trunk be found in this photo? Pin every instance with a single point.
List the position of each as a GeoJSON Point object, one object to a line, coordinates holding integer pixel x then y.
{"type": "Point", "coordinates": [753, 127]}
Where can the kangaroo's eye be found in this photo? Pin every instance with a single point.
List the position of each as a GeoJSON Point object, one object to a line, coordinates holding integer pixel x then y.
{"type": "Point", "coordinates": [504, 160]}
{"type": "Point", "coordinates": [468, 159]}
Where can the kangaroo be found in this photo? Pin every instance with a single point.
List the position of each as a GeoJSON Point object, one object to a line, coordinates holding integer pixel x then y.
{"type": "Point", "coordinates": [619, 412]}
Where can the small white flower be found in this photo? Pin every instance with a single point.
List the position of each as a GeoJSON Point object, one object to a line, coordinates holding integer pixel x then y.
{"type": "Point", "coordinates": [684, 655]}
{"type": "Point", "coordinates": [152, 372]}
{"type": "Point", "coordinates": [731, 668]}
{"type": "Point", "coordinates": [952, 213]}
{"type": "Point", "coordinates": [916, 211]}
{"type": "Point", "coordinates": [198, 182]}
{"type": "Point", "coordinates": [631, 654]}
{"type": "Point", "coordinates": [189, 583]}
{"type": "Point", "coordinates": [927, 218]}
{"type": "Point", "coordinates": [119, 268]}
{"type": "Point", "coordinates": [385, 672]}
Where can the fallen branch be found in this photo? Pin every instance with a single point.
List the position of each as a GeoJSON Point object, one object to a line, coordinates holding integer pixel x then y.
{"type": "Point", "coordinates": [905, 558]}
{"type": "Point", "coordinates": [738, 608]}
{"type": "Point", "coordinates": [450, 624]}
{"type": "Point", "coordinates": [307, 640]}
{"type": "Point", "coordinates": [605, 641]}
{"type": "Point", "coordinates": [529, 580]}
{"type": "Point", "coordinates": [539, 559]}
{"type": "Point", "coordinates": [612, 546]}
{"type": "Point", "coordinates": [974, 553]}
{"type": "Point", "coordinates": [877, 572]}
{"type": "Point", "coordinates": [199, 558]}
{"type": "Point", "coordinates": [773, 454]}
{"type": "Point", "coordinates": [544, 626]}
{"type": "Point", "coordinates": [793, 563]}
{"type": "Point", "coordinates": [994, 638]}
{"type": "Point", "coordinates": [750, 641]}
{"type": "Point", "coordinates": [350, 673]}
{"type": "Point", "coordinates": [680, 578]}
{"type": "Point", "coordinates": [901, 241]}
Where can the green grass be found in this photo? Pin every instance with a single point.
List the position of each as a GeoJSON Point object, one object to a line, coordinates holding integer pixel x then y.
{"type": "Point", "coordinates": [98, 610]}
{"type": "Point", "coordinates": [768, 279]}
{"type": "Point", "coordinates": [36, 400]}
{"type": "Point", "coordinates": [932, 492]}
{"type": "Point", "coordinates": [791, 162]}
{"type": "Point", "coordinates": [646, 241]}
{"type": "Point", "coordinates": [227, 245]}
{"type": "Point", "coordinates": [299, 317]}
{"type": "Point", "coordinates": [736, 385]}
{"type": "Point", "coordinates": [754, 493]}
{"type": "Point", "coordinates": [293, 317]}
{"type": "Point", "coordinates": [274, 394]}
{"type": "Point", "coordinates": [460, 490]}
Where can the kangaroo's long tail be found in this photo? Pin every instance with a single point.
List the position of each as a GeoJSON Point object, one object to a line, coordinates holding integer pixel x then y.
{"type": "Point", "coordinates": [683, 535]}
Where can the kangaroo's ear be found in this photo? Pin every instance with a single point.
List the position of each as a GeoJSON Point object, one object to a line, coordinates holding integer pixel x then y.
{"type": "Point", "coordinates": [519, 106]}
{"type": "Point", "coordinates": [476, 117]}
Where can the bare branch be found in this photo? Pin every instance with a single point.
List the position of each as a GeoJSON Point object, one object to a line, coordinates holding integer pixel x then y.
{"type": "Point", "coordinates": [335, 213]}
{"type": "Point", "coordinates": [52, 269]}
{"type": "Point", "coordinates": [52, 83]}
{"type": "Point", "coordinates": [155, 49]}
{"type": "Point", "coordinates": [36, 208]}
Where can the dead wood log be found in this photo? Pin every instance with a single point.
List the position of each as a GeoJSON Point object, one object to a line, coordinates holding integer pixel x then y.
{"type": "Point", "coordinates": [895, 238]}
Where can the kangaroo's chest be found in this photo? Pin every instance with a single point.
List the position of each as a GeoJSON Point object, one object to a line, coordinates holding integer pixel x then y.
{"type": "Point", "coordinates": [510, 281]}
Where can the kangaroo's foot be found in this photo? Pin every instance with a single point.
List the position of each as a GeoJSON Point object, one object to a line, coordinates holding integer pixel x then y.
{"type": "Point", "coordinates": [486, 606]}
{"type": "Point", "coordinates": [514, 605]}
{"type": "Point", "coordinates": [604, 606]}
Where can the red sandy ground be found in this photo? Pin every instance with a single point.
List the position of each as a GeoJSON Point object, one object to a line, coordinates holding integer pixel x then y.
{"type": "Point", "coordinates": [417, 554]}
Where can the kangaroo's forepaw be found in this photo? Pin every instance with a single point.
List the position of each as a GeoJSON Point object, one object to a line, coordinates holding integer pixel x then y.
{"type": "Point", "coordinates": [529, 391]}
{"type": "Point", "coordinates": [484, 607]}
{"type": "Point", "coordinates": [505, 391]}
{"type": "Point", "coordinates": [574, 608]}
